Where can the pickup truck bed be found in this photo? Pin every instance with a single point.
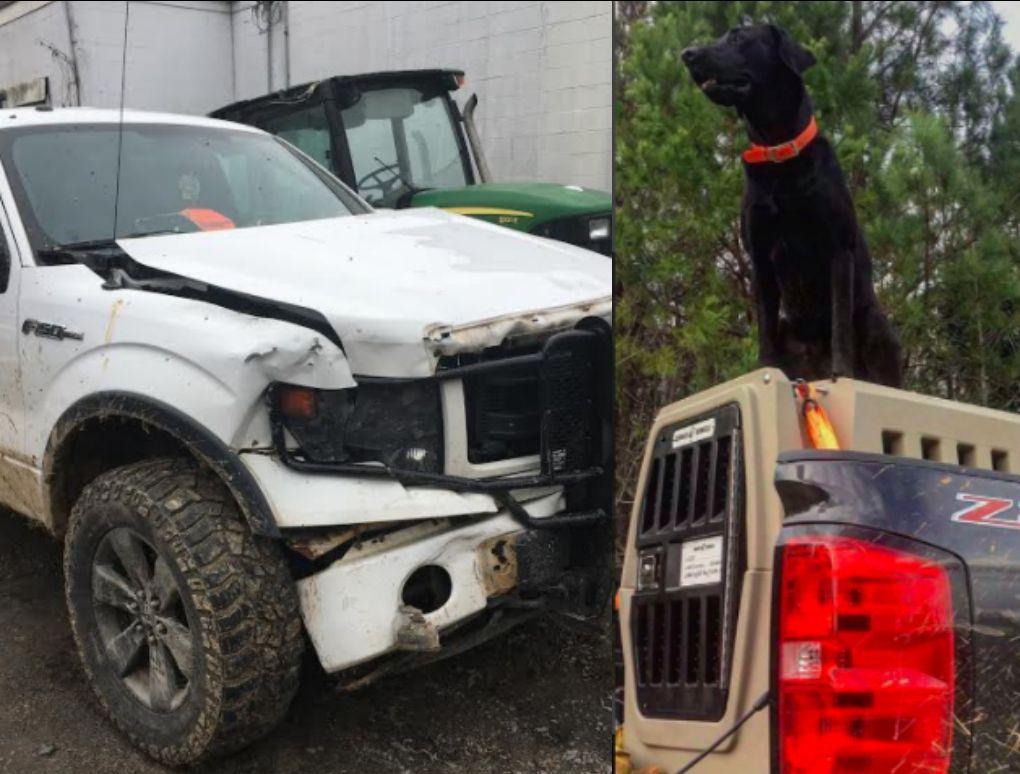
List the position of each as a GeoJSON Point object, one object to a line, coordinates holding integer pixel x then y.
{"type": "Point", "coordinates": [926, 500]}
{"type": "Point", "coordinates": [972, 516]}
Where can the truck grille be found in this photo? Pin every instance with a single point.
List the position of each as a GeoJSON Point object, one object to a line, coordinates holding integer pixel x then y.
{"type": "Point", "coordinates": [690, 560]}
{"type": "Point", "coordinates": [537, 405]}
{"type": "Point", "coordinates": [568, 402]}
{"type": "Point", "coordinates": [503, 414]}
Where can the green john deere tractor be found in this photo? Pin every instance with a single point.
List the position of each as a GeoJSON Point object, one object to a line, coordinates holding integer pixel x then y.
{"type": "Point", "coordinates": [400, 140]}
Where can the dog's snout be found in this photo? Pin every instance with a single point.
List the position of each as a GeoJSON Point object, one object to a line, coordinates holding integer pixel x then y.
{"type": "Point", "coordinates": [689, 54]}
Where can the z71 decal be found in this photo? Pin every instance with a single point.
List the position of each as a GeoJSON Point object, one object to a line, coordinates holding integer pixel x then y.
{"type": "Point", "coordinates": [986, 511]}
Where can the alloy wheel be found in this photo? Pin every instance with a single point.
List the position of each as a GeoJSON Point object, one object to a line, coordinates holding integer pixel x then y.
{"type": "Point", "coordinates": [142, 622]}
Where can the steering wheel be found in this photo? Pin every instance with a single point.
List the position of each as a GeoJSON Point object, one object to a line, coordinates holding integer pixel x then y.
{"type": "Point", "coordinates": [383, 186]}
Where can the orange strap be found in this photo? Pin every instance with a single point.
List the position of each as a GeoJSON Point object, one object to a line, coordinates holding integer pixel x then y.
{"type": "Point", "coordinates": [207, 220]}
{"type": "Point", "coordinates": [759, 154]}
{"type": "Point", "coordinates": [621, 758]}
{"type": "Point", "coordinates": [819, 429]}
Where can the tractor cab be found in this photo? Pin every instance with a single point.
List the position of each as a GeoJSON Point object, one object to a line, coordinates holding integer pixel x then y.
{"type": "Point", "coordinates": [400, 140]}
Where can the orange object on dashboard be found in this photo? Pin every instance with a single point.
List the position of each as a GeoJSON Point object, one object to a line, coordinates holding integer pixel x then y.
{"type": "Point", "coordinates": [208, 220]}
{"type": "Point", "coordinates": [819, 429]}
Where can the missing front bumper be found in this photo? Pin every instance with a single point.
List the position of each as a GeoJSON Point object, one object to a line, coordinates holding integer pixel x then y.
{"type": "Point", "coordinates": [357, 609]}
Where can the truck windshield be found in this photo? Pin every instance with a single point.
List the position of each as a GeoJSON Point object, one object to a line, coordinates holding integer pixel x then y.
{"type": "Point", "coordinates": [402, 139]}
{"type": "Point", "coordinates": [173, 178]}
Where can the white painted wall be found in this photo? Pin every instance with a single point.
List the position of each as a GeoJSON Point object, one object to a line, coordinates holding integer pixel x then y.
{"type": "Point", "coordinates": [179, 55]}
{"type": "Point", "coordinates": [27, 43]}
{"type": "Point", "coordinates": [542, 70]}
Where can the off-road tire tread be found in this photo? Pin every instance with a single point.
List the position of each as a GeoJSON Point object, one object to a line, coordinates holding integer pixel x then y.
{"type": "Point", "coordinates": [241, 587]}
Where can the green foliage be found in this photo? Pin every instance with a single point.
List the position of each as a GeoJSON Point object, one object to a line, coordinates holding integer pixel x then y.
{"type": "Point", "coordinates": [921, 102]}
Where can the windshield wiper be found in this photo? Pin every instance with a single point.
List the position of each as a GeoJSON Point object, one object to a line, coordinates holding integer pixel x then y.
{"type": "Point", "coordinates": [119, 279]}
{"type": "Point", "coordinates": [156, 232]}
{"type": "Point", "coordinates": [88, 244]}
{"type": "Point", "coordinates": [71, 250]}
{"type": "Point", "coordinates": [118, 270]}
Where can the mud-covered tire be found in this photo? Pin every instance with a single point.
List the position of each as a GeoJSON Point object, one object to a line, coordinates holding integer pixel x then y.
{"type": "Point", "coordinates": [234, 595]}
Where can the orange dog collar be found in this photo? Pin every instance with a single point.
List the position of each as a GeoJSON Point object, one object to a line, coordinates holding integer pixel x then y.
{"type": "Point", "coordinates": [759, 154]}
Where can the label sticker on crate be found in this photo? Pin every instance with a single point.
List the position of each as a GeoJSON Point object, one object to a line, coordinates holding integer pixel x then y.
{"type": "Point", "coordinates": [694, 433]}
{"type": "Point", "coordinates": [701, 562]}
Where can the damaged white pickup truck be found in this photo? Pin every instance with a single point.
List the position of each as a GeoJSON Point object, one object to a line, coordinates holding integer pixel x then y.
{"type": "Point", "coordinates": [253, 408]}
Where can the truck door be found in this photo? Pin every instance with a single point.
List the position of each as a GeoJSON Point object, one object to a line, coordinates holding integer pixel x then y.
{"type": "Point", "coordinates": [11, 403]}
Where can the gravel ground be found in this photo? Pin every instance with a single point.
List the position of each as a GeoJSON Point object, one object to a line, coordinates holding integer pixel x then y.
{"type": "Point", "coordinates": [536, 700]}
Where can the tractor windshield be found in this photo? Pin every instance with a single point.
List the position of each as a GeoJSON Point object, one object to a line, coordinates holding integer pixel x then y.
{"type": "Point", "coordinates": [403, 140]}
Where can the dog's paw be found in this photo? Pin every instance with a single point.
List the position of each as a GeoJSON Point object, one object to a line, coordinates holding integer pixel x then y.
{"type": "Point", "coordinates": [841, 373]}
{"type": "Point", "coordinates": [842, 370]}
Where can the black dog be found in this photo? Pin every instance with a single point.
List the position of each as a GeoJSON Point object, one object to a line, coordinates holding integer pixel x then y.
{"type": "Point", "coordinates": [817, 311]}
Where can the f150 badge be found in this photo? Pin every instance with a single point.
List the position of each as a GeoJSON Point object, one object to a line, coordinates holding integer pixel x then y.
{"type": "Point", "coordinates": [47, 330]}
{"type": "Point", "coordinates": [986, 511]}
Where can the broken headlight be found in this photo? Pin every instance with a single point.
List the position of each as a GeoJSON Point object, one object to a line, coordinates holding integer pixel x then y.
{"type": "Point", "coordinates": [396, 422]}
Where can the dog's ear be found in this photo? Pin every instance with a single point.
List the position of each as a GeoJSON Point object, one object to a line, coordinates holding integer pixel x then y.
{"type": "Point", "coordinates": [792, 53]}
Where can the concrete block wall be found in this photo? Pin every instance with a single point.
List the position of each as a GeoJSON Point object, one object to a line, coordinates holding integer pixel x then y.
{"type": "Point", "coordinates": [179, 57]}
{"type": "Point", "coordinates": [33, 43]}
{"type": "Point", "coordinates": [542, 70]}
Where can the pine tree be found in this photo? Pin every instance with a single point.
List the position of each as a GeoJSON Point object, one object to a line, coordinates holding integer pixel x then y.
{"type": "Point", "coordinates": [921, 102]}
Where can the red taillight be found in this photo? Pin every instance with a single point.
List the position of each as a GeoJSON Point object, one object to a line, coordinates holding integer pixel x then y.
{"type": "Point", "coordinates": [865, 659]}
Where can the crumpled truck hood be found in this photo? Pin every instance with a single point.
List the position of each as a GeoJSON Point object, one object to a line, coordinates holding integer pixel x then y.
{"type": "Point", "coordinates": [399, 288]}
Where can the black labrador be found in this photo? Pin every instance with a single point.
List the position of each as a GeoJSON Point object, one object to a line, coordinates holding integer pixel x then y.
{"type": "Point", "coordinates": [817, 311]}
